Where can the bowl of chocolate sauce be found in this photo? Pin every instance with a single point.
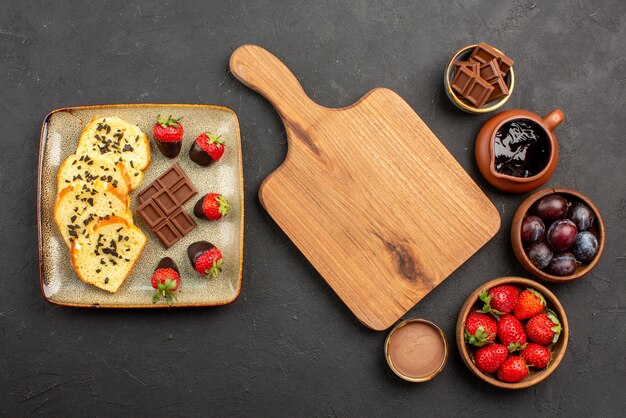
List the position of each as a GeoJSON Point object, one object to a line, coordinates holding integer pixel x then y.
{"type": "Point", "coordinates": [517, 151]}
{"type": "Point", "coordinates": [416, 350]}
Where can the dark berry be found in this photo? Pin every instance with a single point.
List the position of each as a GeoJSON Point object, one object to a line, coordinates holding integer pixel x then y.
{"type": "Point", "coordinates": [562, 264]}
{"type": "Point", "coordinates": [581, 215]}
{"type": "Point", "coordinates": [540, 255]}
{"type": "Point", "coordinates": [551, 207]}
{"type": "Point", "coordinates": [562, 234]}
{"type": "Point", "coordinates": [586, 246]}
{"type": "Point", "coordinates": [532, 229]}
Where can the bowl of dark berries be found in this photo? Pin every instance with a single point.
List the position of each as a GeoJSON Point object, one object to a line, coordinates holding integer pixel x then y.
{"type": "Point", "coordinates": [558, 234]}
{"type": "Point", "coordinates": [512, 332]}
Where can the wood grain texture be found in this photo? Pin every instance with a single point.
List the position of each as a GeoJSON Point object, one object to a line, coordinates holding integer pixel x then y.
{"type": "Point", "coordinates": [368, 193]}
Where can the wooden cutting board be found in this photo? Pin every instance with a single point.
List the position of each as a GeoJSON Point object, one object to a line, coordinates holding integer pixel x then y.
{"type": "Point", "coordinates": [368, 194]}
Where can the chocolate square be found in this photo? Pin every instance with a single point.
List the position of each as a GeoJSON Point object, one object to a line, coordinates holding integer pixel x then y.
{"type": "Point", "coordinates": [166, 201]}
{"type": "Point", "coordinates": [505, 64]}
{"type": "Point", "coordinates": [490, 70]}
{"type": "Point", "coordinates": [471, 65]}
{"type": "Point", "coordinates": [171, 176]}
{"type": "Point", "coordinates": [462, 81]}
{"type": "Point", "coordinates": [161, 205]}
{"type": "Point", "coordinates": [167, 233]}
{"type": "Point", "coordinates": [183, 191]}
{"type": "Point", "coordinates": [479, 92]}
{"type": "Point", "coordinates": [182, 221]}
{"type": "Point", "coordinates": [151, 213]}
{"type": "Point", "coordinates": [147, 193]}
{"type": "Point", "coordinates": [500, 89]}
{"type": "Point", "coordinates": [484, 53]}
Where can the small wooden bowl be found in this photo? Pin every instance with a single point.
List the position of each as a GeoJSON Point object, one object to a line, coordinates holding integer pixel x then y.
{"type": "Point", "coordinates": [462, 55]}
{"type": "Point", "coordinates": [518, 247]}
{"type": "Point", "coordinates": [558, 350]}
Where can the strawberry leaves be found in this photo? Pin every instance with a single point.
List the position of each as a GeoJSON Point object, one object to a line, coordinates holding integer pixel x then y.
{"type": "Point", "coordinates": [486, 298]}
{"type": "Point", "coordinates": [213, 139]}
{"type": "Point", "coordinates": [169, 121]}
{"type": "Point", "coordinates": [166, 290]}
{"type": "Point", "coordinates": [480, 337]}
{"type": "Point", "coordinates": [215, 269]}
{"type": "Point", "coordinates": [224, 207]}
{"type": "Point", "coordinates": [557, 325]}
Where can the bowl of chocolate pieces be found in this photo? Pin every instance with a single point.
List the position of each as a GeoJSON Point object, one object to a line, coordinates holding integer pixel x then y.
{"type": "Point", "coordinates": [479, 78]}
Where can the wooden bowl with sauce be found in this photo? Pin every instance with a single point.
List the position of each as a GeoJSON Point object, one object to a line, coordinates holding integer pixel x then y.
{"type": "Point", "coordinates": [499, 174]}
{"type": "Point", "coordinates": [518, 245]}
{"type": "Point", "coordinates": [534, 376]}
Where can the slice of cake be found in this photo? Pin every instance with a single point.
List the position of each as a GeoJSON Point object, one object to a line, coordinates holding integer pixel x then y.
{"type": "Point", "coordinates": [93, 169]}
{"type": "Point", "coordinates": [81, 203]}
{"type": "Point", "coordinates": [106, 256]}
{"type": "Point", "coordinates": [120, 141]}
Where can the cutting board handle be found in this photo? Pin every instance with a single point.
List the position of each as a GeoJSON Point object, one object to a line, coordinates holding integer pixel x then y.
{"type": "Point", "coordinates": [267, 75]}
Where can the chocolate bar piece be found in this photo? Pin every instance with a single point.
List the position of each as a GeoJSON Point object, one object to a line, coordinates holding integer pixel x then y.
{"type": "Point", "coordinates": [471, 65]}
{"type": "Point", "coordinates": [505, 64]}
{"type": "Point", "coordinates": [500, 89]}
{"type": "Point", "coordinates": [471, 87]}
{"type": "Point", "coordinates": [161, 205]}
{"type": "Point", "coordinates": [463, 80]}
{"type": "Point", "coordinates": [478, 93]}
{"type": "Point", "coordinates": [483, 53]}
{"type": "Point", "coordinates": [490, 70]}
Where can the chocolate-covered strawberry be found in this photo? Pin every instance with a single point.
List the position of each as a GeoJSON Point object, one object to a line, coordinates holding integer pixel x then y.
{"type": "Point", "coordinates": [206, 149]}
{"type": "Point", "coordinates": [211, 206]}
{"type": "Point", "coordinates": [205, 258]}
{"type": "Point", "coordinates": [168, 135]}
{"type": "Point", "coordinates": [166, 280]}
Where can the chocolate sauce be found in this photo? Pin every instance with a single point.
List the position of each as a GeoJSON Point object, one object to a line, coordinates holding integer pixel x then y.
{"type": "Point", "coordinates": [169, 149]}
{"type": "Point", "coordinates": [167, 263]}
{"type": "Point", "coordinates": [199, 156]}
{"type": "Point", "coordinates": [198, 248]}
{"type": "Point", "coordinates": [416, 350]}
{"type": "Point", "coordinates": [521, 148]}
{"type": "Point", "coordinates": [197, 209]}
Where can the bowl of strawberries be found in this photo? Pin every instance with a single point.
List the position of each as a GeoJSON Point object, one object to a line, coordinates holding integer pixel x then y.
{"type": "Point", "coordinates": [512, 332]}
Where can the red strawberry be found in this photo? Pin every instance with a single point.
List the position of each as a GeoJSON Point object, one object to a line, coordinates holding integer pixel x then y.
{"type": "Point", "coordinates": [512, 370]}
{"type": "Point", "coordinates": [536, 355]}
{"type": "Point", "coordinates": [212, 207]}
{"type": "Point", "coordinates": [511, 332]}
{"type": "Point", "coordinates": [168, 134]}
{"type": "Point", "coordinates": [206, 149]}
{"type": "Point", "coordinates": [529, 303]}
{"type": "Point", "coordinates": [168, 129]}
{"type": "Point", "coordinates": [480, 329]}
{"type": "Point", "coordinates": [544, 328]}
{"type": "Point", "coordinates": [489, 358]}
{"type": "Point", "coordinates": [205, 258]}
{"type": "Point", "coordinates": [165, 280]}
{"type": "Point", "coordinates": [500, 299]}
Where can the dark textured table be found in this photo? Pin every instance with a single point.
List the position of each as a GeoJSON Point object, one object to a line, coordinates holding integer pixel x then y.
{"type": "Point", "coordinates": [288, 346]}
